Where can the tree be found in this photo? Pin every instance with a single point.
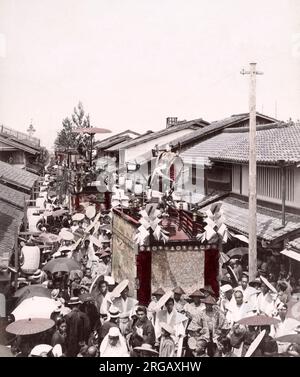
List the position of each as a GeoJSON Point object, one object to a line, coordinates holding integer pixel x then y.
{"type": "Point", "coordinates": [66, 138]}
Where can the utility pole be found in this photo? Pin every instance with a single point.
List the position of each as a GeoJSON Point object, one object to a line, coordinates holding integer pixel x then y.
{"type": "Point", "coordinates": [252, 261]}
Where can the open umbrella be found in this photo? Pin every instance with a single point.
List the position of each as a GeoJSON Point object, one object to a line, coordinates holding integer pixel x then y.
{"type": "Point", "coordinates": [30, 326]}
{"type": "Point", "coordinates": [35, 307]}
{"type": "Point", "coordinates": [223, 258]}
{"type": "Point", "coordinates": [290, 338]}
{"type": "Point", "coordinates": [48, 238]}
{"type": "Point", "coordinates": [91, 131]}
{"type": "Point", "coordinates": [61, 264]}
{"type": "Point", "coordinates": [256, 342]}
{"type": "Point", "coordinates": [5, 352]}
{"type": "Point", "coordinates": [258, 320]}
{"type": "Point", "coordinates": [238, 251]}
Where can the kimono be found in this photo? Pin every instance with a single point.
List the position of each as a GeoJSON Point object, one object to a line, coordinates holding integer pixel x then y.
{"type": "Point", "coordinates": [125, 308]}
{"type": "Point", "coordinates": [176, 320]}
{"type": "Point", "coordinates": [167, 347]}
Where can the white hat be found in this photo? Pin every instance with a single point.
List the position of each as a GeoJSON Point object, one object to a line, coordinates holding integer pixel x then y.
{"type": "Point", "coordinates": [225, 288]}
{"type": "Point", "coordinates": [161, 302]}
{"type": "Point", "coordinates": [120, 288]}
{"type": "Point", "coordinates": [114, 332]}
{"type": "Point", "coordinates": [255, 344]}
{"type": "Point", "coordinates": [268, 284]}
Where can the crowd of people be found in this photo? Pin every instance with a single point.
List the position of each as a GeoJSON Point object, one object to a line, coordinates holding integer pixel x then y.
{"type": "Point", "coordinates": [95, 316]}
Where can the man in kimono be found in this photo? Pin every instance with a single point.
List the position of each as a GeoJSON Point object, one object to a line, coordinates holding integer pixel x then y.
{"type": "Point", "coordinates": [120, 299]}
{"type": "Point", "coordinates": [175, 320]}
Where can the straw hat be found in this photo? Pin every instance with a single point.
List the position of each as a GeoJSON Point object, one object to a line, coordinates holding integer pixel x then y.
{"type": "Point", "coordinates": [268, 284]}
{"type": "Point", "coordinates": [207, 290]}
{"type": "Point", "coordinates": [146, 348]}
{"type": "Point", "coordinates": [255, 344]}
{"type": "Point", "coordinates": [120, 288]}
{"type": "Point", "coordinates": [159, 292]}
{"type": "Point", "coordinates": [161, 302]}
{"type": "Point", "coordinates": [179, 291]}
{"type": "Point", "coordinates": [197, 293]}
{"type": "Point", "coordinates": [209, 300]}
{"type": "Point", "coordinates": [113, 312]}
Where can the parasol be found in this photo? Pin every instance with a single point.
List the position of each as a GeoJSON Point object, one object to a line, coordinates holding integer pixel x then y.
{"type": "Point", "coordinates": [233, 276]}
{"type": "Point", "coordinates": [91, 131]}
{"type": "Point", "coordinates": [239, 251]}
{"type": "Point", "coordinates": [61, 264]}
{"type": "Point", "coordinates": [255, 344]}
{"type": "Point", "coordinates": [289, 338]}
{"type": "Point", "coordinates": [258, 320]}
{"type": "Point", "coordinates": [35, 307]}
{"type": "Point", "coordinates": [37, 290]}
{"type": "Point", "coordinates": [120, 288]}
{"type": "Point", "coordinates": [30, 326]}
{"type": "Point", "coordinates": [268, 284]}
{"type": "Point", "coordinates": [161, 302]}
{"type": "Point", "coordinates": [48, 238]}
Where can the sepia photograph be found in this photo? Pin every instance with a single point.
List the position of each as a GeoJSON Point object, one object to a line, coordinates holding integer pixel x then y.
{"type": "Point", "coordinates": [150, 181]}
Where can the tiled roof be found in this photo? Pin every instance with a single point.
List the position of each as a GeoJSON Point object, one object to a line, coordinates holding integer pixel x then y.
{"type": "Point", "coordinates": [200, 153]}
{"type": "Point", "coordinates": [278, 143]}
{"type": "Point", "coordinates": [13, 197]}
{"type": "Point", "coordinates": [236, 215]}
{"type": "Point", "coordinates": [115, 139]}
{"type": "Point", "coordinates": [110, 143]}
{"type": "Point", "coordinates": [218, 126]}
{"type": "Point", "coordinates": [274, 142]}
{"type": "Point", "coordinates": [193, 124]}
{"type": "Point", "coordinates": [18, 176]}
{"type": "Point", "coordinates": [10, 221]}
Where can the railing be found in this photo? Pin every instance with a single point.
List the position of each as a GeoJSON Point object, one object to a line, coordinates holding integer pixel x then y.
{"type": "Point", "coordinates": [186, 223]}
{"type": "Point", "coordinates": [20, 136]}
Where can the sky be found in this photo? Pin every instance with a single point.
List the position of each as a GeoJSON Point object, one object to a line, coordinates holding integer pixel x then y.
{"type": "Point", "coordinates": [132, 63]}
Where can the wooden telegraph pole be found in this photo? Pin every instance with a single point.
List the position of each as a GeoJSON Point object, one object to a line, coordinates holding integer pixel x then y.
{"type": "Point", "coordinates": [252, 172]}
